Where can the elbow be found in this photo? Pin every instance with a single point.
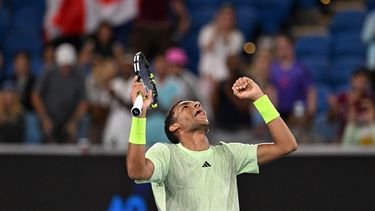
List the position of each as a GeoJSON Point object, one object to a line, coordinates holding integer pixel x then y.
{"type": "Point", "coordinates": [133, 173]}
{"type": "Point", "coordinates": [293, 146]}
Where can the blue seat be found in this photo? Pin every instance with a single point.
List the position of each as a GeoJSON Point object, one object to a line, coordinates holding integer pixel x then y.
{"type": "Point", "coordinates": [4, 23]}
{"type": "Point", "coordinates": [323, 92]}
{"type": "Point", "coordinates": [318, 67]}
{"type": "Point", "coordinates": [197, 4]}
{"type": "Point", "coordinates": [307, 4]}
{"type": "Point", "coordinates": [342, 70]}
{"type": "Point", "coordinates": [242, 3]}
{"type": "Point", "coordinates": [370, 5]}
{"type": "Point", "coordinates": [348, 45]}
{"type": "Point", "coordinates": [190, 45]}
{"type": "Point", "coordinates": [272, 13]}
{"type": "Point", "coordinates": [313, 46]}
{"type": "Point", "coordinates": [201, 17]}
{"type": "Point", "coordinates": [347, 21]}
{"type": "Point", "coordinates": [246, 20]}
{"type": "Point", "coordinates": [27, 19]}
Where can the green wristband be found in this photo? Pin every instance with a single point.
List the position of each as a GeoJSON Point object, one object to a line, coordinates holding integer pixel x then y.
{"type": "Point", "coordinates": [266, 109]}
{"type": "Point", "coordinates": [138, 131]}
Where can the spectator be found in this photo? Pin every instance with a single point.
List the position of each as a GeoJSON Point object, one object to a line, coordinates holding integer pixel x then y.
{"type": "Point", "coordinates": [169, 92]}
{"type": "Point", "coordinates": [368, 35]}
{"type": "Point", "coordinates": [177, 59]}
{"type": "Point", "coordinates": [292, 82]}
{"type": "Point", "coordinates": [116, 131]}
{"type": "Point", "coordinates": [260, 71]}
{"type": "Point", "coordinates": [24, 79]}
{"type": "Point", "coordinates": [2, 69]}
{"type": "Point", "coordinates": [152, 29]}
{"type": "Point", "coordinates": [360, 129]}
{"type": "Point", "coordinates": [98, 97]}
{"type": "Point", "coordinates": [48, 62]}
{"type": "Point", "coordinates": [217, 41]}
{"type": "Point", "coordinates": [340, 104]}
{"type": "Point", "coordinates": [103, 44]}
{"type": "Point", "coordinates": [231, 113]}
{"type": "Point", "coordinates": [12, 125]}
{"type": "Point", "coordinates": [59, 98]}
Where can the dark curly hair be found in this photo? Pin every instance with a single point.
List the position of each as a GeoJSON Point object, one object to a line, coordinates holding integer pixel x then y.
{"type": "Point", "coordinates": [169, 120]}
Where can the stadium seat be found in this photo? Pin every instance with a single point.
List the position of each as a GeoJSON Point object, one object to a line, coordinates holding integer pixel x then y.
{"type": "Point", "coordinates": [318, 67]}
{"type": "Point", "coordinates": [307, 4]}
{"type": "Point", "coordinates": [28, 19]}
{"type": "Point", "coordinates": [4, 23]}
{"type": "Point", "coordinates": [348, 44]}
{"type": "Point", "coordinates": [323, 92]}
{"type": "Point", "coordinates": [272, 13]}
{"type": "Point", "coordinates": [201, 17]}
{"type": "Point", "coordinates": [190, 45]}
{"type": "Point", "coordinates": [342, 70]}
{"type": "Point", "coordinates": [370, 5]}
{"type": "Point", "coordinates": [313, 46]}
{"type": "Point", "coordinates": [246, 18]}
{"type": "Point", "coordinates": [347, 21]}
{"type": "Point", "coordinates": [17, 41]}
{"type": "Point", "coordinates": [197, 4]}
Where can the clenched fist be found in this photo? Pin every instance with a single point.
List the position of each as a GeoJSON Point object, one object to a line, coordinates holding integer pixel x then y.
{"type": "Point", "coordinates": [245, 88]}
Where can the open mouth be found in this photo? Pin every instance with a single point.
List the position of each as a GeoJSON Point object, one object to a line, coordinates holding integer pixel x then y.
{"type": "Point", "coordinates": [199, 112]}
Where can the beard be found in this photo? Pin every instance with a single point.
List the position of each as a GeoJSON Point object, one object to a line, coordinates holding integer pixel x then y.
{"type": "Point", "coordinates": [200, 127]}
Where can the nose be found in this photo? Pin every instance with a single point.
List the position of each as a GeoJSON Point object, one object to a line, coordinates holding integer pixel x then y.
{"type": "Point", "coordinates": [197, 104]}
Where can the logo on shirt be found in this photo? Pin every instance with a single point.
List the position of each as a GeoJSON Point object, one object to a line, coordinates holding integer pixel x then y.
{"type": "Point", "coordinates": [206, 164]}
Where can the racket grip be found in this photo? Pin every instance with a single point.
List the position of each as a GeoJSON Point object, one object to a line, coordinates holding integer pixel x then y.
{"type": "Point", "coordinates": [137, 107]}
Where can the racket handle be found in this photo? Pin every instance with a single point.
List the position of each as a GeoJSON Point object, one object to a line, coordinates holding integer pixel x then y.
{"type": "Point", "coordinates": [137, 107]}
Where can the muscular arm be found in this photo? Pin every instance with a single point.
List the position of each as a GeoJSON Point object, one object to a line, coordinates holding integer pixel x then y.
{"type": "Point", "coordinates": [137, 165]}
{"type": "Point", "coordinates": [284, 141]}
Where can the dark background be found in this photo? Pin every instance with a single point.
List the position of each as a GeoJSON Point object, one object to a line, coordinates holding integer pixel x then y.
{"type": "Point", "coordinates": [53, 183]}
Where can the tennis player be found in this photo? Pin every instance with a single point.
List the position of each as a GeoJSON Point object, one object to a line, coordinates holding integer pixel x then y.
{"type": "Point", "coordinates": [191, 174]}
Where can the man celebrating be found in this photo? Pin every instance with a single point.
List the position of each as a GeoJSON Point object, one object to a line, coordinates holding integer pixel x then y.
{"type": "Point", "coordinates": [190, 174]}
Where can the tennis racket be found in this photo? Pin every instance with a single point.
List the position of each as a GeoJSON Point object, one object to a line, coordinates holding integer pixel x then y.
{"type": "Point", "coordinates": [143, 71]}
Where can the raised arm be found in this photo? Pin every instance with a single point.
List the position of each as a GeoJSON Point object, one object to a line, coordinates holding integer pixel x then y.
{"type": "Point", "coordinates": [138, 166]}
{"type": "Point", "coordinates": [284, 141]}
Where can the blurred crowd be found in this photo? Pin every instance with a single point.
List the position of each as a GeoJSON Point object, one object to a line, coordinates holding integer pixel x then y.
{"type": "Point", "coordinates": [81, 91]}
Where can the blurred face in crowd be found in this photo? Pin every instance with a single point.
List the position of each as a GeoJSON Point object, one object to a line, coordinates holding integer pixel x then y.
{"type": "Point", "coordinates": [49, 54]}
{"type": "Point", "coordinates": [105, 71]}
{"type": "Point", "coordinates": [104, 33]}
{"type": "Point", "coordinates": [226, 18]}
{"type": "Point", "coordinates": [160, 66]}
{"type": "Point", "coordinates": [66, 70]}
{"type": "Point", "coordinates": [9, 98]}
{"type": "Point", "coordinates": [126, 70]}
{"type": "Point", "coordinates": [284, 48]}
{"type": "Point", "coordinates": [360, 83]}
{"type": "Point", "coordinates": [21, 64]}
{"type": "Point", "coordinates": [262, 61]}
{"type": "Point", "coordinates": [365, 111]}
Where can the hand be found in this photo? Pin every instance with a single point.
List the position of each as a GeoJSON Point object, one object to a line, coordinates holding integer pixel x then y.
{"type": "Point", "coordinates": [139, 88]}
{"type": "Point", "coordinates": [245, 88]}
{"type": "Point", "coordinates": [71, 128]}
{"type": "Point", "coordinates": [47, 126]}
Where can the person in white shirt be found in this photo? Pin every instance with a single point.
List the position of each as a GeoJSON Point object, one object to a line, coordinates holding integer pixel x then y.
{"type": "Point", "coordinates": [217, 41]}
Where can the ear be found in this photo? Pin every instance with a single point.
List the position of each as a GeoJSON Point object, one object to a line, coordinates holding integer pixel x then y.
{"type": "Point", "coordinates": [174, 127]}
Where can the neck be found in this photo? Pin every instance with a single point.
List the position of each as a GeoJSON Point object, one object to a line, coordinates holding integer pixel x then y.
{"type": "Point", "coordinates": [195, 141]}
